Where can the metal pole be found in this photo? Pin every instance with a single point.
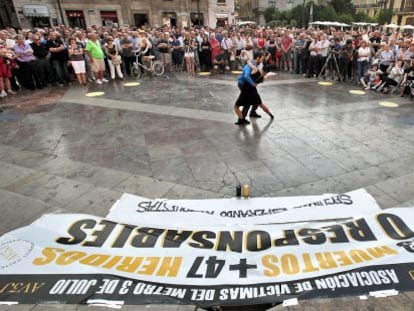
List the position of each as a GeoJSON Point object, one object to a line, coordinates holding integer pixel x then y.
{"type": "Point", "coordinates": [303, 15]}
{"type": "Point", "coordinates": [198, 13]}
{"type": "Point", "coordinates": [60, 12]}
{"type": "Point", "coordinates": [311, 13]}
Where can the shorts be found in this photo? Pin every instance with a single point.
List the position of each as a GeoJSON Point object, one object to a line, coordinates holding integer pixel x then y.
{"type": "Point", "coordinates": [5, 69]}
{"type": "Point", "coordinates": [286, 56]}
{"type": "Point", "coordinates": [78, 66]}
{"type": "Point", "coordinates": [98, 65]}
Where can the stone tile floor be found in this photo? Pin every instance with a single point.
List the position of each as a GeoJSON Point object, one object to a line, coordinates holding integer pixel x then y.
{"type": "Point", "coordinates": [174, 137]}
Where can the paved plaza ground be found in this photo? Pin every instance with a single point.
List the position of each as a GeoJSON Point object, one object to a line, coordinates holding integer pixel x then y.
{"type": "Point", "coordinates": [174, 137]}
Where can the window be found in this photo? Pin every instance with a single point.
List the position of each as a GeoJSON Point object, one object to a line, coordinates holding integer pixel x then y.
{"type": "Point", "coordinates": [272, 4]}
{"type": "Point", "coordinates": [221, 1]}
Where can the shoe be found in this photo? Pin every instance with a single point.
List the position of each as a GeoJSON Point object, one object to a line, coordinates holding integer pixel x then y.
{"type": "Point", "coordinates": [11, 92]}
{"type": "Point", "coordinates": [3, 94]}
{"type": "Point", "coordinates": [271, 116]}
{"type": "Point", "coordinates": [105, 80]}
{"type": "Point", "coordinates": [98, 81]}
{"type": "Point", "coordinates": [242, 122]}
{"type": "Point", "coordinates": [255, 115]}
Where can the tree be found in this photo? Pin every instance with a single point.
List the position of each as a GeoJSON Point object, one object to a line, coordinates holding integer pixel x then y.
{"type": "Point", "coordinates": [384, 16]}
{"type": "Point", "coordinates": [343, 6]}
{"type": "Point", "coordinates": [325, 13]}
{"type": "Point", "coordinates": [269, 14]}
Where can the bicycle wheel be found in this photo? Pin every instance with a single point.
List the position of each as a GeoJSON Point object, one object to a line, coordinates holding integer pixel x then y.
{"type": "Point", "coordinates": [158, 68]}
{"type": "Point", "coordinates": [136, 71]}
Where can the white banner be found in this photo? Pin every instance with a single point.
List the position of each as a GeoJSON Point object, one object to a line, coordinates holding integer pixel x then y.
{"type": "Point", "coordinates": [84, 244]}
{"type": "Point", "coordinates": [133, 209]}
{"type": "Point", "coordinates": [72, 258]}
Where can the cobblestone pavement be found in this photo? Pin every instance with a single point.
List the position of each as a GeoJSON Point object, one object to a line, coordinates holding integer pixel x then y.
{"type": "Point", "coordinates": [174, 137]}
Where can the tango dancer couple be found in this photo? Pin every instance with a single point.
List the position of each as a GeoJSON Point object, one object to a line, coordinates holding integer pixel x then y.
{"type": "Point", "coordinates": [253, 73]}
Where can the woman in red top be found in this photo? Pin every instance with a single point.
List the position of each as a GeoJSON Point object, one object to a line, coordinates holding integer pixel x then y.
{"type": "Point", "coordinates": [215, 47]}
{"type": "Point", "coordinates": [261, 41]}
{"type": "Point", "coordinates": [7, 63]}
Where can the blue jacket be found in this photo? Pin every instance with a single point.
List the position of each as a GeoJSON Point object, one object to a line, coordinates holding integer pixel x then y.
{"type": "Point", "coordinates": [246, 76]}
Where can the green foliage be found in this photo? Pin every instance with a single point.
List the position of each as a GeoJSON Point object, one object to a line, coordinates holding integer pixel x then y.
{"type": "Point", "coordinates": [325, 13]}
{"type": "Point", "coordinates": [384, 16]}
{"type": "Point", "coordinates": [363, 17]}
{"type": "Point", "coordinates": [268, 14]}
{"type": "Point", "coordinates": [343, 6]}
{"type": "Point", "coordinates": [293, 23]}
{"type": "Point", "coordinates": [337, 10]}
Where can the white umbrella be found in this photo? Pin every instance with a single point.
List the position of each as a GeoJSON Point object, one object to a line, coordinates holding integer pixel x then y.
{"type": "Point", "coordinates": [407, 27]}
{"type": "Point", "coordinates": [247, 23]}
{"type": "Point", "coordinates": [391, 26]}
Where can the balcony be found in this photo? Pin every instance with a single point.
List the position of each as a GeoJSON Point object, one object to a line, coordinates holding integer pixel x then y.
{"type": "Point", "coordinates": [367, 6]}
{"type": "Point", "coordinates": [407, 9]}
{"type": "Point", "coordinates": [258, 10]}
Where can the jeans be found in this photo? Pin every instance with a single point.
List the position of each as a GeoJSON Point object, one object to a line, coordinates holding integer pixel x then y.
{"type": "Point", "coordinates": [61, 71]}
{"type": "Point", "coordinates": [362, 68]}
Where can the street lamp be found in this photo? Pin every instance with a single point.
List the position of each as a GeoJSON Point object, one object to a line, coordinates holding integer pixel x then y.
{"type": "Point", "coordinates": [198, 13]}
{"type": "Point", "coordinates": [303, 14]}
{"type": "Point", "coordinates": [60, 11]}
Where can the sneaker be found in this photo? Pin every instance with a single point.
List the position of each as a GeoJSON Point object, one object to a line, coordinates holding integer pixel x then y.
{"type": "Point", "coordinates": [3, 94]}
{"type": "Point", "coordinates": [105, 80]}
{"type": "Point", "coordinates": [255, 115]}
{"type": "Point", "coordinates": [98, 81]}
{"type": "Point", "coordinates": [11, 92]}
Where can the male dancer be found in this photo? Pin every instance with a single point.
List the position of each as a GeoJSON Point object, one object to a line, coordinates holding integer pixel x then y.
{"type": "Point", "coordinates": [247, 87]}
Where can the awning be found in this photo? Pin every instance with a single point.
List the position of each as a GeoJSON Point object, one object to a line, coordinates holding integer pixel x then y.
{"type": "Point", "coordinates": [35, 10]}
{"type": "Point", "coordinates": [109, 14]}
{"type": "Point", "coordinates": [74, 13]}
{"type": "Point", "coordinates": [222, 15]}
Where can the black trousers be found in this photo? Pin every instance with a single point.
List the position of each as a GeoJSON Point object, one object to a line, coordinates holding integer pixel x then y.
{"type": "Point", "coordinates": [44, 71]}
{"type": "Point", "coordinates": [249, 97]}
{"type": "Point", "coordinates": [27, 74]}
{"type": "Point", "coordinates": [313, 66]}
{"type": "Point", "coordinates": [128, 61]}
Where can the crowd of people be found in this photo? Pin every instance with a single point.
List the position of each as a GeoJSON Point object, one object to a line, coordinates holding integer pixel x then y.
{"type": "Point", "coordinates": [40, 57]}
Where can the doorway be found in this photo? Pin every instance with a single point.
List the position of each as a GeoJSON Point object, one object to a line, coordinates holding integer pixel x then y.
{"type": "Point", "coordinates": [76, 19]}
{"type": "Point", "coordinates": [140, 19]}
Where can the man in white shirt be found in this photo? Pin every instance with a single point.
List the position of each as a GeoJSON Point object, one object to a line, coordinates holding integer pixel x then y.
{"type": "Point", "coordinates": [323, 49]}
{"type": "Point", "coordinates": [226, 45]}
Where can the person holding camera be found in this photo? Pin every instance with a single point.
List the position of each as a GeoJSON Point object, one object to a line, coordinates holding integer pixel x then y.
{"type": "Point", "coordinates": [346, 57]}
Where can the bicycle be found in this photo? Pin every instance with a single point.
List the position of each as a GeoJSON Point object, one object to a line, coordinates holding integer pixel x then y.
{"type": "Point", "coordinates": [154, 66]}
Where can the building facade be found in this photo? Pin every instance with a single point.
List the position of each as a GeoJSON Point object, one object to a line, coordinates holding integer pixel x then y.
{"type": "Point", "coordinates": [403, 10]}
{"type": "Point", "coordinates": [221, 13]}
{"type": "Point", "coordinates": [80, 13]}
{"type": "Point", "coordinates": [369, 7]}
{"type": "Point", "coordinates": [8, 15]}
{"type": "Point", "coordinates": [253, 10]}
